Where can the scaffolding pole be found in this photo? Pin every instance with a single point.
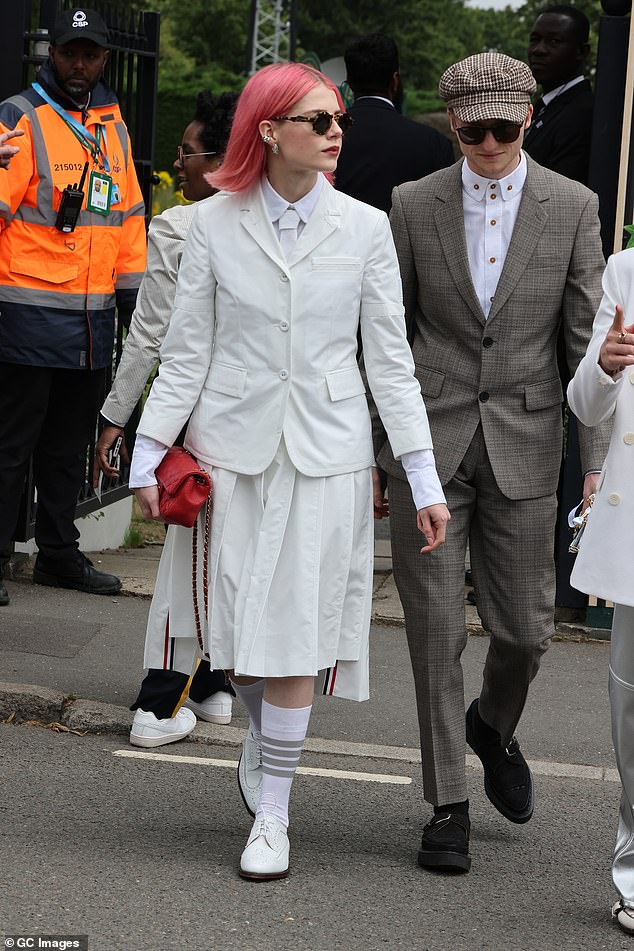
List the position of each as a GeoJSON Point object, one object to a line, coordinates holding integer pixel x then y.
{"type": "Point", "coordinates": [272, 30]}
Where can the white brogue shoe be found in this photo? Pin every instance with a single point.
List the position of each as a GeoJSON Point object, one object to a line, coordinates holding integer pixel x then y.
{"type": "Point", "coordinates": [148, 731]}
{"type": "Point", "coordinates": [624, 916]}
{"type": "Point", "coordinates": [250, 773]}
{"type": "Point", "coordinates": [267, 851]}
{"type": "Point", "coordinates": [215, 709]}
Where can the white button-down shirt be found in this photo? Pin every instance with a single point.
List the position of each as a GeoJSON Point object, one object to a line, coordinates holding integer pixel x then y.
{"type": "Point", "coordinates": [276, 205]}
{"type": "Point", "coordinates": [490, 212]}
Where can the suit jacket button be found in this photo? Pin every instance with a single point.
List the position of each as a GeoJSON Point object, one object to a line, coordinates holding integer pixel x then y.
{"type": "Point", "coordinates": [614, 498]}
{"type": "Point", "coordinates": [631, 377]}
{"type": "Point", "coordinates": [628, 439]}
{"type": "Point", "coordinates": [487, 341]}
{"type": "Point", "coordinates": [283, 374]}
{"type": "Point", "coordinates": [483, 397]}
{"type": "Point", "coordinates": [284, 278]}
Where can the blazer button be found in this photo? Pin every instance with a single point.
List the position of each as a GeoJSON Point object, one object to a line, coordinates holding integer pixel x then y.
{"type": "Point", "coordinates": [487, 342]}
{"type": "Point", "coordinates": [284, 325]}
{"type": "Point", "coordinates": [614, 498]}
{"type": "Point", "coordinates": [631, 377]}
{"type": "Point", "coordinates": [483, 397]}
{"type": "Point", "coordinates": [628, 439]}
{"type": "Point", "coordinates": [284, 278]}
{"type": "Point", "coordinates": [283, 374]}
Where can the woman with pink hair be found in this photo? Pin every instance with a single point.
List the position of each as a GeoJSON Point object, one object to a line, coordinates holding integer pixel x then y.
{"type": "Point", "coordinates": [279, 274]}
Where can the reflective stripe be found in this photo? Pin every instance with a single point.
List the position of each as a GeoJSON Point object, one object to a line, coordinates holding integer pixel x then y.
{"type": "Point", "coordinates": [136, 211]}
{"type": "Point", "coordinates": [43, 168]}
{"type": "Point", "coordinates": [128, 281]}
{"type": "Point", "coordinates": [33, 216]}
{"type": "Point", "coordinates": [122, 132]}
{"type": "Point", "coordinates": [26, 295]}
{"type": "Point", "coordinates": [22, 103]}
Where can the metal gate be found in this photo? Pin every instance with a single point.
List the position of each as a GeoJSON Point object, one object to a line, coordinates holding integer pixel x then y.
{"type": "Point", "coordinates": [132, 71]}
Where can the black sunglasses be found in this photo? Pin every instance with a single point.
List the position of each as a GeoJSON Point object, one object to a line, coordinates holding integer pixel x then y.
{"type": "Point", "coordinates": [320, 122]}
{"type": "Point", "coordinates": [475, 134]}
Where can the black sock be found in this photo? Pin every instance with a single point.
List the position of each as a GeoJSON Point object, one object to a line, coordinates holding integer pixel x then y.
{"type": "Point", "coordinates": [460, 807]}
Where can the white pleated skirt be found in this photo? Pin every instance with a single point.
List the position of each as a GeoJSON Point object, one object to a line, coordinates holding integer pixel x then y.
{"type": "Point", "coordinates": [289, 577]}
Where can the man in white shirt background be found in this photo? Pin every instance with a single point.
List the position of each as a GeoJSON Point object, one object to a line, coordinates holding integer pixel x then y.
{"type": "Point", "coordinates": [496, 253]}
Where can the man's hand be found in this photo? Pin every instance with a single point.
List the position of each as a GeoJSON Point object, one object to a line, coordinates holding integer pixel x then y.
{"type": "Point", "coordinates": [104, 444]}
{"type": "Point", "coordinates": [381, 505]}
{"type": "Point", "coordinates": [8, 151]}
{"type": "Point", "coordinates": [148, 499]}
{"type": "Point", "coordinates": [617, 350]}
{"type": "Point", "coordinates": [432, 522]}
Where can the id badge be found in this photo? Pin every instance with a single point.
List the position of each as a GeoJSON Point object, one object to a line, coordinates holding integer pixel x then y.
{"type": "Point", "coordinates": [99, 193]}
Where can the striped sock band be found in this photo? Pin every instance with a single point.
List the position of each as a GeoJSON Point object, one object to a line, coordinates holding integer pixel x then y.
{"type": "Point", "coordinates": [283, 735]}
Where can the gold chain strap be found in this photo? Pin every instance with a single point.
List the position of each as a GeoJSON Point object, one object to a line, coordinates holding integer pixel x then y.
{"type": "Point", "coordinates": [207, 528]}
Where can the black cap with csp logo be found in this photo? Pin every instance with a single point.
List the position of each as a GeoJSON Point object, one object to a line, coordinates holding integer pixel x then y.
{"type": "Point", "coordinates": [79, 24]}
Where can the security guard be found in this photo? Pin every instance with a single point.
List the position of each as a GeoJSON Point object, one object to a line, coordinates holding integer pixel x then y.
{"type": "Point", "coordinates": [72, 244]}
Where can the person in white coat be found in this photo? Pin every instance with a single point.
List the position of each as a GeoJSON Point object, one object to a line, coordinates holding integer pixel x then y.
{"type": "Point", "coordinates": [279, 274]}
{"type": "Point", "coordinates": [603, 386]}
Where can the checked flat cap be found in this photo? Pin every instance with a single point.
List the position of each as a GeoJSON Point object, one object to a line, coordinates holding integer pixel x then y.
{"type": "Point", "coordinates": [488, 86]}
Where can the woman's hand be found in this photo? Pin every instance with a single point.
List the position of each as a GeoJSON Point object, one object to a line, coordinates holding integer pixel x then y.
{"type": "Point", "coordinates": [381, 505]}
{"type": "Point", "coordinates": [617, 350]}
{"type": "Point", "coordinates": [432, 522]}
{"type": "Point", "coordinates": [148, 499]}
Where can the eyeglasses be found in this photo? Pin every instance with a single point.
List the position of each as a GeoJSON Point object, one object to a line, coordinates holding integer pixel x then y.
{"type": "Point", "coordinates": [181, 155]}
{"type": "Point", "coordinates": [320, 122]}
{"type": "Point", "coordinates": [475, 134]}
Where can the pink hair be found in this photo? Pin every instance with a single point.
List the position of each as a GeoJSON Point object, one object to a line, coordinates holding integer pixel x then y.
{"type": "Point", "coordinates": [270, 92]}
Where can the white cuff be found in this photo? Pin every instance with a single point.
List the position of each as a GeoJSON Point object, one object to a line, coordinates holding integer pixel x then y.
{"type": "Point", "coordinates": [147, 456]}
{"type": "Point", "coordinates": [420, 468]}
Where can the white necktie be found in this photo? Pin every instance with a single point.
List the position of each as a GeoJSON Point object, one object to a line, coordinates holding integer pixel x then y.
{"type": "Point", "coordinates": [288, 230]}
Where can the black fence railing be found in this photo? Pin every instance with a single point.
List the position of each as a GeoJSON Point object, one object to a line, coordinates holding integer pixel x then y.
{"type": "Point", "coordinates": [132, 71]}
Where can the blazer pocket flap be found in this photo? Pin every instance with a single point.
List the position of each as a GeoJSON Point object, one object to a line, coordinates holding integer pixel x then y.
{"type": "Point", "coordinates": [53, 268]}
{"type": "Point", "coordinates": [339, 263]}
{"type": "Point", "coordinates": [543, 395]}
{"type": "Point", "coordinates": [345, 383]}
{"type": "Point", "coordinates": [431, 381]}
{"type": "Point", "coordinates": [226, 379]}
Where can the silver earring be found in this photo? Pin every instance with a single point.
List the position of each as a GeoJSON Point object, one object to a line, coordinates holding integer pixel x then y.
{"type": "Point", "coordinates": [275, 149]}
{"type": "Point", "coordinates": [266, 139]}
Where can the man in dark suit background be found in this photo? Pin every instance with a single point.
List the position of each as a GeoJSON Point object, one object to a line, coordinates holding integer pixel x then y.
{"type": "Point", "coordinates": [383, 148]}
{"type": "Point", "coordinates": [560, 135]}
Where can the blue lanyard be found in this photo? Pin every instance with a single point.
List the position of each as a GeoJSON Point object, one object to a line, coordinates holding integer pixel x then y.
{"type": "Point", "coordinates": [87, 139]}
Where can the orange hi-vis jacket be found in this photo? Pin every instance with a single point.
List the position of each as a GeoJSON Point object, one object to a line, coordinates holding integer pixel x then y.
{"type": "Point", "coordinates": [58, 290]}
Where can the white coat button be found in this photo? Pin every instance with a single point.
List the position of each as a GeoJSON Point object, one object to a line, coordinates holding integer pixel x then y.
{"type": "Point", "coordinates": [284, 325]}
{"type": "Point", "coordinates": [614, 498]}
{"type": "Point", "coordinates": [283, 374]}
{"type": "Point", "coordinates": [631, 377]}
{"type": "Point", "coordinates": [628, 439]}
{"type": "Point", "coordinates": [284, 278]}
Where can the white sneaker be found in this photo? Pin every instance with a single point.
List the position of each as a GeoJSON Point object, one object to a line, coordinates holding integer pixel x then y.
{"type": "Point", "coordinates": [215, 709]}
{"type": "Point", "coordinates": [147, 730]}
{"type": "Point", "coordinates": [267, 851]}
{"type": "Point", "coordinates": [624, 916]}
{"type": "Point", "coordinates": [250, 773]}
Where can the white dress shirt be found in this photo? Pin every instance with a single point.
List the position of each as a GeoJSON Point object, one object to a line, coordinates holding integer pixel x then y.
{"type": "Point", "coordinates": [548, 97]}
{"type": "Point", "coordinates": [490, 212]}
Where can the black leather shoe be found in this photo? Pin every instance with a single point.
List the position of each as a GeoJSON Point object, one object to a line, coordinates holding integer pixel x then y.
{"type": "Point", "coordinates": [445, 843]}
{"type": "Point", "coordinates": [507, 778]}
{"type": "Point", "coordinates": [4, 594]}
{"type": "Point", "coordinates": [77, 572]}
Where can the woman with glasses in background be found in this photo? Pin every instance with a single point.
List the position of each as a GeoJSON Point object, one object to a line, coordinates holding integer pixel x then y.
{"type": "Point", "coordinates": [170, 653]}
{"type": "Point", "coordinates": [279, 273]}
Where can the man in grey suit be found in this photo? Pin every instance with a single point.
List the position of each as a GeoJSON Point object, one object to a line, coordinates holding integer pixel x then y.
{"type": "Point", "coordinates": [495, 253]}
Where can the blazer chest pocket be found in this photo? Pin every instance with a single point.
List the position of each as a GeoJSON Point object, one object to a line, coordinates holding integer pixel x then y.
{"type": "Point", "coordinates": [342, 384]}
{"type": "Point", "coordinates": [335, 265]}
{"type": "Point", "coordinates": [431, 381]}
{"type": "Point", "coordinates": [226, 379]}
{"type": "Point", "coordinates": [543, 395]}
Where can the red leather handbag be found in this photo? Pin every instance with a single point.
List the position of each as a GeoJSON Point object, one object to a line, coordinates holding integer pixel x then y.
{"type": "Point", "coordinates": [183, 487]}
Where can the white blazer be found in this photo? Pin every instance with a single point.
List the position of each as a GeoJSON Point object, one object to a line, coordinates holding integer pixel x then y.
{"type": "Point", "coordinates": [603, 566]}
{"type": "Point", "coordinates": [259, 347]}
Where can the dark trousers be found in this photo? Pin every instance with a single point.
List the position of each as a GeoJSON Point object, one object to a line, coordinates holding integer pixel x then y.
{"type": "Point", "coordinates": [162, 689]}
{"type": "Point", "coordinates": [48, 414]}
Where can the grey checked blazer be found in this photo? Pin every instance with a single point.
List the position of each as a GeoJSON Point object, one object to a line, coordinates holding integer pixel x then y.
{"type": "Point", "coordinates": [502, 371]}
{"type": "Point", "coordinates": [152, 313]}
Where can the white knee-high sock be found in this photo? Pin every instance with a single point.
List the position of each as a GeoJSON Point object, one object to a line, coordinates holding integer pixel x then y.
{"type": "Point", "coordinates": [251, 696]}
{"type": "Point", "coordinates": [283, 735]}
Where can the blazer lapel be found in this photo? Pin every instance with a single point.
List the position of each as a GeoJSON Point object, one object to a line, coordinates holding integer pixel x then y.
{"type": "Point", "coordinates": [255, 220]}
{"type": "Point", "coordinates": [325, 219]}
{"type": "Point", "coordinates": [529, 226]}
{"type": "Point", "coordinates": [449, 221]}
